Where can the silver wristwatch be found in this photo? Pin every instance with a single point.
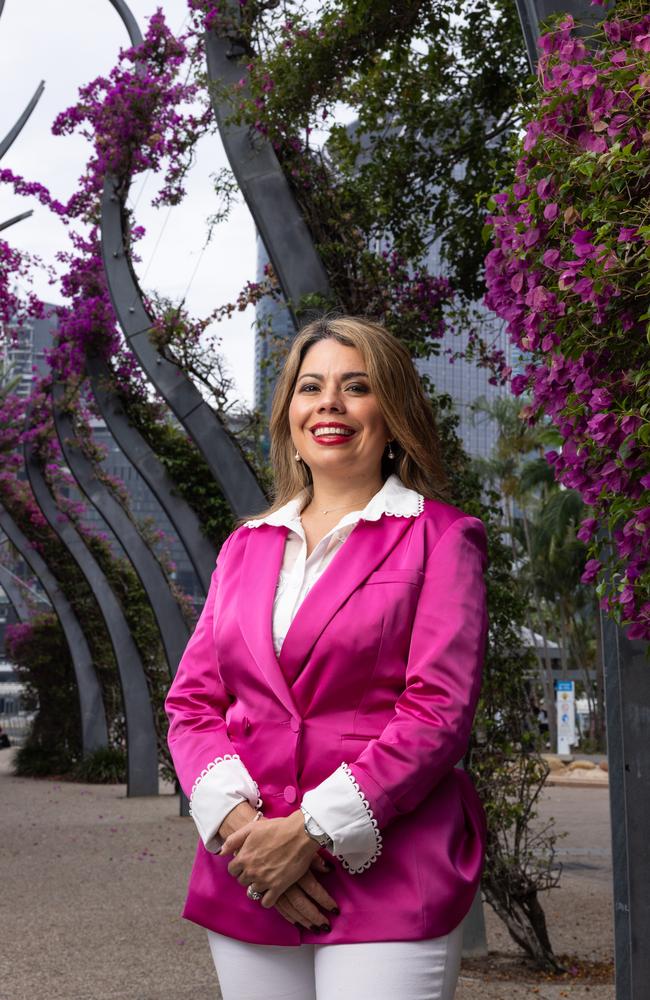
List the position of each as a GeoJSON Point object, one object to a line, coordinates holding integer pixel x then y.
{"type": "Point", "coordinates": [313, 830]}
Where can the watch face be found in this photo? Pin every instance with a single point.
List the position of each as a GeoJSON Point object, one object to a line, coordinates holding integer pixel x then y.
{"type": "Point", "coordinates": [314, 830]}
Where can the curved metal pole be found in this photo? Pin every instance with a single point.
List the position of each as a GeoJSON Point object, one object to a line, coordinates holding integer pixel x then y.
{"type": "Point", "coordinates": [533, 12]}
{"type": "Point", "coordinates": [12, 590]}
{"type": "Point", "coordinates": [200, 551]}
{"type": "Point", "coordinates": [94, 734]}
{"type": "Point", "coordinates": [16, 218]}
{"type": "Point", "coordinates": [14, 132]}
{"type": "Point", "coordinates": [128, 21]}
{"type": "Point", "coordinates": [173, 627]}
{"type": "Point", "coordinates": [141, 742]}
{"type": "Point", "coordinates": [263, 182]}
{"type": "Point", "coordinates": [222, 454]}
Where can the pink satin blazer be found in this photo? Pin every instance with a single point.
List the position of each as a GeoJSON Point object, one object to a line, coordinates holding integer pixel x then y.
{"type": "Point", "coordinates": [381, 668]}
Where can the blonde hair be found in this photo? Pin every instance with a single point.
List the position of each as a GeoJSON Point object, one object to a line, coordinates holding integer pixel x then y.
{"type": "Point", "coordinates": [396, 384]}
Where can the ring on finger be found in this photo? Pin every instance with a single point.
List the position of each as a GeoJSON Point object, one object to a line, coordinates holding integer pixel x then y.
{"type": "Point", "coordinates": [253, 894]}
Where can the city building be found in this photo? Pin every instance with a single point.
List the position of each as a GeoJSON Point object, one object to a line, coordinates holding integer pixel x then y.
{"type": "Point", "coordinates": [25, 358]}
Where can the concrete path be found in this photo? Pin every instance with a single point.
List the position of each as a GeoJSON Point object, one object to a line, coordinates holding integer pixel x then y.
{"type": "Point", "coordinates": [91, 886]}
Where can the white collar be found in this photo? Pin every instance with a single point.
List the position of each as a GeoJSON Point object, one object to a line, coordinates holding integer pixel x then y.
{"type": "Point", "coordinates": [393, 499]}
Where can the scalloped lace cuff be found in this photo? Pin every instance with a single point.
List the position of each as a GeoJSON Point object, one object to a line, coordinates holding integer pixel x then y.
{"type": "Point", "coordinates": [222, 785]}
{"type": "Point", "coordinates": [339, 806]}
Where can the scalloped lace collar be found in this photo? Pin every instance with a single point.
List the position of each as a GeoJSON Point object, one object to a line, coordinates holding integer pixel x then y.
{"type": "Point", "coordinates": [393, 499]}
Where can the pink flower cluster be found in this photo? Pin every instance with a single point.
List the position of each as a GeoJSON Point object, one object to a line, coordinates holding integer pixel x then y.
{"type": "Point", "coordinates": [16, 309]}
{"type": "Point", "coordinates": [568, 273]}
{"type": "Point", "coordinates": [416, 294]}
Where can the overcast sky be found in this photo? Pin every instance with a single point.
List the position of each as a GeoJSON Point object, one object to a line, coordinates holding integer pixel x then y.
{"type": "Point", "coordinates": [67, 43]}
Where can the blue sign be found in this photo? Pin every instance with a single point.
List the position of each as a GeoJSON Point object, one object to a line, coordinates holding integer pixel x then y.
{"type": "Point", "coordinates": [564, 685]}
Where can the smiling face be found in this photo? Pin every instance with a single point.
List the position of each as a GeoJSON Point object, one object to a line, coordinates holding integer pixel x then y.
{"type": "Point", "coordinates": [334, 417]}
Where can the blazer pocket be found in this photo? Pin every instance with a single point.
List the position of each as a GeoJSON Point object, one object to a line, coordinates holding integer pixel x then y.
{"type": "Point", "coordinates": [414, 576]}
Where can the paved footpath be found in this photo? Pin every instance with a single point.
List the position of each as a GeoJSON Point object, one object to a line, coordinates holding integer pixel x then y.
{"type": "Point", "coordinates": [91, 885]}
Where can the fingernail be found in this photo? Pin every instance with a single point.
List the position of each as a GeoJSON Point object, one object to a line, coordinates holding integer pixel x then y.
{"type": "Point", "coordinates": [315, 928]}
{"type": "Point", "coordinates": [336, 911]}
{"type": "Point", "coordinates": [328, 868]}
{"type": "Point", "coordinates": [326, 928]}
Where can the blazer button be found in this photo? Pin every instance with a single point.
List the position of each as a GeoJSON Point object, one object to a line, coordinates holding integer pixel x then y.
{"type": "Point", "coordinates": [290, 793]}
{"type": "Point", "coordinates": [294, 724]}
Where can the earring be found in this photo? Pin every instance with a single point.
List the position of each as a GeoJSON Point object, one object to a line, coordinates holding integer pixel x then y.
{"type": "Point", "coordinates": [297, 456]}
{"type": "Point", "coordinates": [391, 453]}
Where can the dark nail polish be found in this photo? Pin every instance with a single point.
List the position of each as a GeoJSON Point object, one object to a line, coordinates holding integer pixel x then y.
{"type": "Point", "coordinates": [315, 928]}
{"type": "Point", "coordinates": [326, 928]}
{"type": "Point", "coordinates": [336, 911]}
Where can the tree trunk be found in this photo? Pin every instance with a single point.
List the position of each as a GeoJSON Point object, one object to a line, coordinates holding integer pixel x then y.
{"type": "Point", "coordinates": [525, 920]}
{"type": "Point", "coordinates": [548, 679]}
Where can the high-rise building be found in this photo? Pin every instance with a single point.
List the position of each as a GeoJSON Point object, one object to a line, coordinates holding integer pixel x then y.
{"type": "Point", "coordinates": [463, 380]}
{"type": "Point", "coordinates": [25, 359]}
{"type": "Point", "coordinates": [273, 326]}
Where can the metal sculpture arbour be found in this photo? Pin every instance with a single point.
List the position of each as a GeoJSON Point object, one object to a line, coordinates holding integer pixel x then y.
{"type": "Point", "coordinates": [173, 628]}
{"type": "Point", "coordinates": [12, 590]}
{"type": "Point", "coordinates": [222, 454]}
{"type": "Point", "coordinates": [261, 178]}
{"type": "Point", "coordinates": [11, 137]}
{"type": "Point", "coordinates": [200, 551]}
{"type": "Point", "coordinates": [94, 733]}
{"type": "Point", "coordinates": [16, 129]}
{"type": "Point", "coordinates": [141, 740]}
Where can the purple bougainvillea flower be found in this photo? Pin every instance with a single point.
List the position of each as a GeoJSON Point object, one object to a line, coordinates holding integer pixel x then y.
{"type": "Point", "coordinates": [517, 281]}
{"type": "Point", "coordinates": [591, 142]}
{"type": "Point", "coordinates": [584, 76]}
{"type": "Point", "coordinates": [584, 288]}
{"type": "Point", "coordinates": [591, 570]}
{"type": "Point", "coordinates": [587, 529]}
{"type": "Point", "coordinates": [551, 258]}
{"type": "Point", "coordinates": [567, 279]}
{"type": "Point", "coordinates": [600, 399]}
{"type": "Point", "coordinates": [545, 187]}
{"type": "Point", "coordinates": [519, 384]}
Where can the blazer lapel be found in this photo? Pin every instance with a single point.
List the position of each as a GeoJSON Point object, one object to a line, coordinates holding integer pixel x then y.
{"type": "Point", "coordinates": [366, 547]}
{"type": "Point", "coordinates": [259, 576]}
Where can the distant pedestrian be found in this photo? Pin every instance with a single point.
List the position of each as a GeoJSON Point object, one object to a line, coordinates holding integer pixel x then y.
{"type": "Point", "coordinates": [542, 722]}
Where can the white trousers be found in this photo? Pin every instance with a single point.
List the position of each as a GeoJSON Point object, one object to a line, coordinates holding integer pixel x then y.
{"type": "Point", "coordinates": [377, 970]}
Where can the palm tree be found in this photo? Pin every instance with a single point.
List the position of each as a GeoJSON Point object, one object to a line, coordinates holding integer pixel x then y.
{"type": "Point", "coordinates": [541, 519]}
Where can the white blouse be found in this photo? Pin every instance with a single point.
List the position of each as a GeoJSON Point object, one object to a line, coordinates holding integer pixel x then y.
{"type": "Point", "coordinates": [337, 804]}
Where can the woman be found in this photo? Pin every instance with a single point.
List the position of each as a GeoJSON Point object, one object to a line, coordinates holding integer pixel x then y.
{"type": "Point", "coordinates": [327, 694]}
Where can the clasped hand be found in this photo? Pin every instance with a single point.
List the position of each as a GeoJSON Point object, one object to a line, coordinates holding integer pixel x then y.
{"type": "Point", "coordinates": [278, 857]}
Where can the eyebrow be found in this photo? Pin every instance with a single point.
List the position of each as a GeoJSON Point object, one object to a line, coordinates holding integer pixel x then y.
{"type": "Point", "coordinates": [344, 377]}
